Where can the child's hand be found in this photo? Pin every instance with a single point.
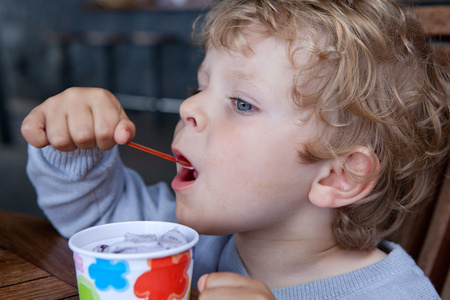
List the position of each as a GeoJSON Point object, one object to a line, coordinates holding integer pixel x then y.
{"type": "Point", "coordinates": [78, 118]}
{"type": "Point", "coordinates": [232, 286]}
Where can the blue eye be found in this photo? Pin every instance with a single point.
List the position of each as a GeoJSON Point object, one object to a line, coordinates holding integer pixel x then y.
{"type": "Point", "coordinates": [242, 106]}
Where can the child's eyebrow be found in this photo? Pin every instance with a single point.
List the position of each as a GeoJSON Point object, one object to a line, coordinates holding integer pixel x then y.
{"type": "Point", "coordinates": [250, 78]}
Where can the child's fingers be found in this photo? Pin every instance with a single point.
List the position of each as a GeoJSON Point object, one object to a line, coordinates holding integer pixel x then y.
{"type": "Point", "coordinates": [33, 129]}
{"type": "Point", "coordinates": [201, 283]}
{"type": "Point", "coordinates": [80, 126]}
{"type": "Point", "coordinates": [226, 285]}
{"type": "Point", "coordinates": [58, 134]}
{"type": "Point", "coordinates": [219, 279]}
{"type": "Point", "coordinates": [226, 293]}
{"type": "Point", "coordinates": [125, 132]}
{"type": "Point", "coordinates": [79, 118]}
{"type": "Point", "coordinates": [111, 124]}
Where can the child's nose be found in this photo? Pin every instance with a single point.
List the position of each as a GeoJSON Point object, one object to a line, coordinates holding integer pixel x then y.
{"type": "Point", "coordinates": [193, 113]}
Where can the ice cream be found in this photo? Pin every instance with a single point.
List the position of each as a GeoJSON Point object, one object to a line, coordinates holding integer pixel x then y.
{"type": "Point", "coordinates": [135, 243]}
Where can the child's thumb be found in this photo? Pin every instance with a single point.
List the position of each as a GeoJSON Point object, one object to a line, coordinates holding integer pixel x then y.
{"type": "Point", "coordinates": [201, 283]}
{"type": "Point", "coordinates": [125, 131]}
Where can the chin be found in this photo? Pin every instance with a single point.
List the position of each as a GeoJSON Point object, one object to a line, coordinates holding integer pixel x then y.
{"type": "Point", "coordinates": [198, 223]}
{"type": "Point", "coordinates": [186, 218]}
{"type": "Point", "coordinates": [203, 224]}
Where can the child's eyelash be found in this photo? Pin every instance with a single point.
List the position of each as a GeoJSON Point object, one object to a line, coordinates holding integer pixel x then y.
{"type": "Point", "coordinates": [242, 106]}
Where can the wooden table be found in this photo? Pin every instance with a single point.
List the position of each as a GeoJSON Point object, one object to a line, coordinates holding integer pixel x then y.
{"type": "Point", "coordinates": [35, 261]}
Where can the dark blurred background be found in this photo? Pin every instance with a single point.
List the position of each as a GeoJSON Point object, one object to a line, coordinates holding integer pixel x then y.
{"type": "Point", "coordinates": [138, 49]}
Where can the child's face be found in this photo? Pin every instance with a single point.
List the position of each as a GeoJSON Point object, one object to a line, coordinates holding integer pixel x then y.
{"type": "Point", "coordinates": [242, 133]}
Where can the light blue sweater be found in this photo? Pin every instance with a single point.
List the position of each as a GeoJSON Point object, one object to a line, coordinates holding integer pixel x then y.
{"type": "Point", "coordinates": [90, 187]}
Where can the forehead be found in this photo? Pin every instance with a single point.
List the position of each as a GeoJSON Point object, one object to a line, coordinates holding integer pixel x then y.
{"type": "Point", "coordinates": [270, 61]}
{"type": "Point", "coordinates": [267, 60]}
{"type": "Point", "coordinates": [263, 52]}
{"type": "Point", "coordinates": [301, 37]}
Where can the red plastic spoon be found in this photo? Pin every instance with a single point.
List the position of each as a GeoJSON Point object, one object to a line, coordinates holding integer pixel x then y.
{"type": "Point", "coordinates": [182, 162]}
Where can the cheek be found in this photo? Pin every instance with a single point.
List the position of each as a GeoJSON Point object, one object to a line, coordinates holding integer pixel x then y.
{"type": "Point", "coordinates": [252, 173]}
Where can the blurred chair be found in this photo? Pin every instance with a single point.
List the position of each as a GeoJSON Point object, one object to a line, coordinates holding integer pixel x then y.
{"type": "Point", "coordinates": [434, 258]}
{"type": "Point", "coordinates": [426, 235]}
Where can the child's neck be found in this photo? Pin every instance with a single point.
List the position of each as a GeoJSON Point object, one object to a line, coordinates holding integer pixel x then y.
{"type": "Point", "coordinates": [288, 260]}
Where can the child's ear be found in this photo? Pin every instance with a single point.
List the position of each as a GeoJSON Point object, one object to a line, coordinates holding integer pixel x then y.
{"type": "Point", "coordinates": [334, 187]}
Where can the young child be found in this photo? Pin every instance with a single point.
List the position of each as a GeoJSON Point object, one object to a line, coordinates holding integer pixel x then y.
{"type": "Point", "coordinates": [316, 126]}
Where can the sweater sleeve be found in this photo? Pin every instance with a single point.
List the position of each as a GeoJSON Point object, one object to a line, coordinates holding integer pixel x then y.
{"type": "Point", "coordinates": [84, 188]}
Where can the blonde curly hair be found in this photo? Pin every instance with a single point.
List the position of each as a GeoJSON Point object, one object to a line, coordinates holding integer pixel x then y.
{"type": "Point", "coordinates": [377, 84]}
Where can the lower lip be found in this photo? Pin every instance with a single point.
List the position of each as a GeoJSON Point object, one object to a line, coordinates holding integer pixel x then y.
{"type": "Point", "coordinates": [178, 184]}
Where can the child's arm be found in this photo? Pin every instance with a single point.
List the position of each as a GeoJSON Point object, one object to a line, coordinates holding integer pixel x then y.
{"type": "Point", "coordinates": [85, 187]}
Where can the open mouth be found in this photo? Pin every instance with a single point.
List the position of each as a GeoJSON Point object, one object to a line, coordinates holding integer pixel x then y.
{"type": "Point", "coordinates": [185, 176]}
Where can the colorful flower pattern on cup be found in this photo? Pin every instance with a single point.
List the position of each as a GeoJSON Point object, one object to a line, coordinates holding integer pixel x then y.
{"type": "Point", "coordinates": [78, 262]}
{"type": "Point", "coordinates": [107, 274]}
{"type": "Point", "coordinates": [167, 278]}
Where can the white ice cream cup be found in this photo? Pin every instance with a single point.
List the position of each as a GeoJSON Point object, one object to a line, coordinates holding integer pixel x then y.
{"type": "Point", "coordinates": [164, 274]}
